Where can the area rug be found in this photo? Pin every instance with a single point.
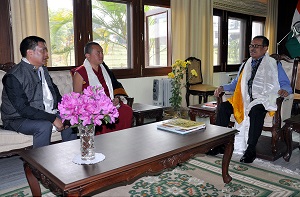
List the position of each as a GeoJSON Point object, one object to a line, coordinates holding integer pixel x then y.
{"type": "Point", "coordinates": [200, 176]}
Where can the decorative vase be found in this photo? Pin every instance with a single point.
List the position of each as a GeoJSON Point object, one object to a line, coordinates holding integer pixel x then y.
{"type": "Point", "coordinates": [170, 112]}
{"type": "Point", "coordinates": [176, 113]}
{"type": "Point", "coordinates": [87, 147]}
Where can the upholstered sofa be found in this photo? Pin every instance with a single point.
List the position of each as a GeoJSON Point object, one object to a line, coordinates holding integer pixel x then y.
{"type": "Point", "coordinates": [10, 141]}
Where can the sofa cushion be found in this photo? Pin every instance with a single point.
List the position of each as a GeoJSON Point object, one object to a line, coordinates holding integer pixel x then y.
{"type": "Point", "coordinates": [63, 80]}
{"type": "Point", "coordinates": [10, 140]}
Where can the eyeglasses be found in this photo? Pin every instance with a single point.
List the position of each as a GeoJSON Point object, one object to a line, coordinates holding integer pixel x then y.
{"type": "Point", "coordinates": [255, 45]}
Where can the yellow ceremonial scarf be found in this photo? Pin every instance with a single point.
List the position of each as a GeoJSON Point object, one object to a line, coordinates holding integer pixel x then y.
{"type": "Point", "coordinates": [237, 102]}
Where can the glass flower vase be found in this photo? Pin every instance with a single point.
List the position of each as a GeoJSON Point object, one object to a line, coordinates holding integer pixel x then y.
{"type": "Point", "coordinates": [87, 147]}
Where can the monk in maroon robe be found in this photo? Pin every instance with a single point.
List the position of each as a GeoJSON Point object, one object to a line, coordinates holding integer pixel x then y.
{"type": "Point", "coordinates": [94, 72]}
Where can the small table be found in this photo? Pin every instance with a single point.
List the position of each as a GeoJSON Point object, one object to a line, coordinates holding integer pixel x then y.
{"type": "Point", "coordinates": [129, 154]}
{"type": "Point", "coordinates": [202, 111]}
{"type": "Point", "coordinates": [142, 111]}
{"type": "Point", "coordinates": [291, 124]}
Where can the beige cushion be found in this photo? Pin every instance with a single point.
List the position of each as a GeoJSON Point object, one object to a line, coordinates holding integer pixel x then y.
{"type": "Point", "coordinates": [203, 87]}
{"type": "Point", "coordinates": [10, 140]}
{"type": "Point", "coordinates": [297, 96]}
{"type": "Point", "coordinates": [63, 80]}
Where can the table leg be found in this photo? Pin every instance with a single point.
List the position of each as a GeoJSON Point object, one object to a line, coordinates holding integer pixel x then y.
{"type": "Point", "coordinates": [159, 117]}
{"type": "Point", "coordinates": [139, 120]}
{"type": "Point", "coordinates": [205, 98]}
{"type": "Point", "coordinates": [192, 115]}
{"type": "Point", "coordinates": [200, 99]}
{"type": "Point", "coordinates": [32, 181]}
{"type": "Point", "coordinates": [288, 129]}
{"type": "Point", "coordinates": [226, 160]}
{"type": "Point", "coordinates": [212, 119]}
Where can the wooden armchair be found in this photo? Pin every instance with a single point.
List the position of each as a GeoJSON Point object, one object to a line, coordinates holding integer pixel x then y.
{"type": "Point", "coordinates": [130, 101]}
{"type": "Point", "coordinates": [296, 108]}
{"type": "Point", "coordinates": [284, 107]}
{"type": "Point", "coordinates": [195, 86]}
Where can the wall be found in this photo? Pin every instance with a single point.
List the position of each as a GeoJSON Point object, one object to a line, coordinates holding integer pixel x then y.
{"type": "Point", "coordinates": [142, 88]}
{"type": "Point", "coordinates": [222, 78]}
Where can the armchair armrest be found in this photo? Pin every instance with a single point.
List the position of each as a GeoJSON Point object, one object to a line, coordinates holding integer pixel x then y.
{"type": "Point", "coordinates": [129, 101]}
{"type": "Point", "coordinates": [126, 100]}
{"type": "Point", "coordinates": [222, 96]}
{"type": "Point", "coordinates": [277, 116]}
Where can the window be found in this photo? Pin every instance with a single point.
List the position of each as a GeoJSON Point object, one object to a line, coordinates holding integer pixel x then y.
{"type": "Point", "coordinates": [216, 39]}
{"type": "Point", "coordinates": [134, 34]}
{"type": "Point", "coordinates": [109, 23]}
{"type": "Point", "coordinates": [232, 35]}
{"type": "Point", "coordinates": [61, 32]}
{"type": "Point", "coordinates": [236, 40]}
{"type": "Point", "coordinates": [257, 28]}
{"type": "Point", "coordinates": [156, 36]}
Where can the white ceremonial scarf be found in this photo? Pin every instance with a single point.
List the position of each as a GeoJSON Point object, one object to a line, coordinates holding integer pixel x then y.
{"type": "Point", "coordinates": [47, 95]}
{"type": "Point", "coordinates": [265, 89]}
{"type": "Point", "coordinates": [93, 79]}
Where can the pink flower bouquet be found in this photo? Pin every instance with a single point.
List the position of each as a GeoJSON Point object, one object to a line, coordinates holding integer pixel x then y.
{"type": "Point", "coordinates": [92, 107]}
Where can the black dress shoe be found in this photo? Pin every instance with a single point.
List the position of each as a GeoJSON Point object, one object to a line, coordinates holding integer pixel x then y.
{"type": "Point", "coordinates": [216, 150]}
{"type": "Point", "coordinates": [248, 157]}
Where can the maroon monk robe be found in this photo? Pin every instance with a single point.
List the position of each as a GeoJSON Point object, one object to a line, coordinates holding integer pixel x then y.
{"type": "Point", "coordinates": [125, 112]}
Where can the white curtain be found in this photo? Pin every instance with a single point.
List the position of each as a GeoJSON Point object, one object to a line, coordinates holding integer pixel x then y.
{"type": "Point", "coordinates": [271, 24]}
{"type": "Point", "coordinates": [29, 17]}
{"type": "Point", "coordinates": [192, 34]}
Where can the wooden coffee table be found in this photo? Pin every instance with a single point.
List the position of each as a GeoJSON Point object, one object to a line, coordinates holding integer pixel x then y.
{"type": "Point", "coordinates": [130, 154]}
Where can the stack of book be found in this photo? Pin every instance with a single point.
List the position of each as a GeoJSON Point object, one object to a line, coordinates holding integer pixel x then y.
{"type": "Point", "coordinates": [211, 105]}
{"type": "Point", "coordinates": [181, 126]}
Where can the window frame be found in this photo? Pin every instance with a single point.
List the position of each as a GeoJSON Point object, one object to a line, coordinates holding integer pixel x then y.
{"type": "Point", "coordinates": [224, 16]}
{"type": "Point", "coordinates": [83, 34]}
{"type": "Point", "coordinates": [155, 71]}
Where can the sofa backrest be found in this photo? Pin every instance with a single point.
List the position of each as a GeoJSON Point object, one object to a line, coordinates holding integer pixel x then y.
{"type": "Point", "coordinates": [62, 79]}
